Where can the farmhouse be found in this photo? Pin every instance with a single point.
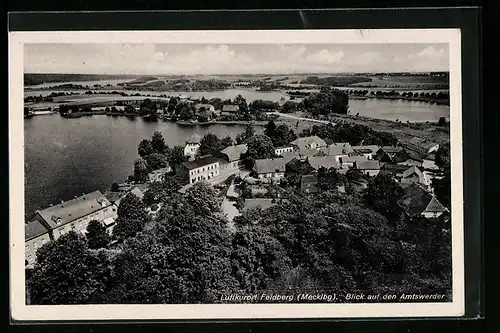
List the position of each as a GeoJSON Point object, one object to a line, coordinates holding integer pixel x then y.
{"type": "Point", "coordinates": [413, 175]}
{"type": "Point", "coordinates": [339, 150]}
{"type": "Point", "coordinates": [323, 162]}
{"type": "Point", "coordinates": [298, 167]}
{"type": "Point", "coordinates": [421, 145]}
{"type": "Point", "coordinates": [310, 142]}
{"type": "Point", "coordinates": [410, 158]}
{"type": "Point", "coordinates": [231, 157]}
{"type": "Point", "coordinates": [192, 146]}
{"type": "Point", "coordinates": [348, 162]}
{"type": "Point", "coordinates": [368, 167]}
{"type": "Point", "coordinates": [369, 151]}
{"type": "Point", "coordinates": [203, 168]}
{"type": "Point", "coordinates": [270, 167]}
{"type": "Point", "coordinates": [75, 214]}
{"type": "Point", "coordinates": [417, 201]}
{"type": "Point", "coordinates": [390, 154]}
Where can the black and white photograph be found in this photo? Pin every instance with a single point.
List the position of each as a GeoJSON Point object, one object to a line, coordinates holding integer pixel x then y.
{"type": "Point", "coordinates": [236, 174]}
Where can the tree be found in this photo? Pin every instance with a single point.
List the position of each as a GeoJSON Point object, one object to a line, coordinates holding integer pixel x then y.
{"type": "Point", "coordinates": [67, 272]}
{"type": "Point", "coordinates": [282, 136]}
{"type": "Point", "coordinates": [226, 142]}
{"type": "Point", "coordinates": [442, 121]}
{"type": "Point", "coordinates": [156, 161]}
{"type": "Point", "coordinates": [177, 156]}
{"type": "Point", "coordinates": [289, 107]}
{"type": "Point", "coordinates": [327, 101]}
{"type": "Point", "coordinates": [131, 217]}
{"type": "Point", "coordinates": [259, 147]}
{"type": "Point", "coordinates": [383, 195]}
{"type": "Point", "coordinates": [141, 170]}
{"type": "Point", "coordinates": [209, 144]}
{"type": "Point", "coordinates": [145, 148]}
{"type": "Point", "coordinates": [114, 187]}
{"type": "Point", "coordinates": [270, 129]}
{"type": "Point", "coordinates": [129, 109]}
{"type": "Point", "coordinates": [97, 236]}
{"type": "Point", "coordinates": [247, 134]}
{"type": "Point", "coordinates": [158, 143]}
{"type": "Point", "coordinates": [329, 179]}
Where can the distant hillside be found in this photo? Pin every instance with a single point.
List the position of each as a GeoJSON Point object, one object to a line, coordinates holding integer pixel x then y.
{"type": "Point", "coordinates": [31, 79]}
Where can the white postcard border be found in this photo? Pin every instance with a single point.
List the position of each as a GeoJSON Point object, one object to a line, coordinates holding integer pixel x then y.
{"type": "Point", "coordinates": [22, 312]}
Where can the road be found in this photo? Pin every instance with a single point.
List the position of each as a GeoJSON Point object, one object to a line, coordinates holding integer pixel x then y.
{"type": "Point", "coordinates": [285, 115]}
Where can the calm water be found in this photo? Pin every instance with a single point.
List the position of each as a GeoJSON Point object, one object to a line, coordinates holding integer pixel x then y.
{"type": "Point", "coordinates": [67, 157]}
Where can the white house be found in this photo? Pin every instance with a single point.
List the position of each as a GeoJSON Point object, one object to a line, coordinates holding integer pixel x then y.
{"type": "Point", "coordinates": [307, 143]}
{"type": "Point", "coordinates": [280, 151]}
{"type": "Point", "coordinates": [192, 147]}
{"type": "Point", "coordinates": [204, 168]}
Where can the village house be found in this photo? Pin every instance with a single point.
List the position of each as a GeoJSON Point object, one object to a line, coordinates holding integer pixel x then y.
{"type": "Point", "coordinates": [368, 167]}
{"type": "Point", "coordinates": [348, 162]}
{"type": "Point", "coordinates": [420, 145]}
{"type": "Point", "coordinates": [280, 151]}
{"type": "Point", "coordinates": [299, 167]}
{"type": "Point", "coordinates": [192, 147]}
{"type": "Point", "coordinates": [410, 158]}
{"type": "Point", "coordinates": [369, 151]}
{"type": "Point", "coordinates": [413, 175]}
{"type": "Point", "coordinates": [429, 162]}
{"type": "Point", "coordinates": [159, 175]}
{"type": "Point", "coordinates": [229, 110]}
{"type": "Point", "coordinates": [75, 214]}
{"type": "Point", "coordinates": [231, 157]}
{"type": "Point", "coordinates": [326, 162]}
{"type": "Point", "coordinates": [417, 201]}
{"type": "Point", "coordinates": [390, 154]}
{"type": "Point", "coordinates": [308, 143]}
{"type": "Point", "coordinates": [270, 168]}
{"type": "Point", "coordinates": [204, 107]}
{"type": "Point", "coordinates": [203, 168]}
{"type": "Point", "coordinates": [339, 150]}
{"type": "Point", "coordinates": [35, 235]}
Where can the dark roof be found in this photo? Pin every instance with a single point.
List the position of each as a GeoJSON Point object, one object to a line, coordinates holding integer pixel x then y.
{"type": "Point", "coordinates": [33, 230]}
{"type": "Point", "coordinates": [113, 196]}
{"type": "Point", "coordinates": [371, 148]}
{"type": "Point", "coordinates": [417, 200]}
{"type": "Point", "coordinates": [308, 180]}
{"type": "Point", "coordinates": [391, 149]}
{"type": "Point", "coordinates": [299, 166]}
{"type": "Point", "coordinates": [394, 168]}
{"type": "Point", "coordinates": [74, 209]}
{"type": "Point", "coordinates": [230, 108]}
{"type": "Point", "coordinates": [413, 170]}
{"type": "Point", "coordinates": [414, 155]}
{"type": "Point", "coordinates": [200, 162]}
{"type": "Point", "coordinates": [353, 159]}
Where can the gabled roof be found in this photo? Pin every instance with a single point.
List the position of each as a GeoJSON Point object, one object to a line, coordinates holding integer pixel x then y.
{"type": "Point", "coordinates": [308, 179]}
{"type": "Point", "coordinates": [194, 139]}
{"type": "Point", "coordinates": [270, 165]}
{"type": "Point", "coordinates": [333, 150]}
{"type": "Point", "coordinates": [323, 161]}
{"type": "Point", "coordinates": [73, 209]}
{"type": "Point", "coordinates": [303, 143]}
{"type": "Point", "coordinates": [422, 142]}
{"type": "Point", "coordinates": [137, 192]}
{"type": "Point", "coordinates": [234, 152]}
{"type": "Point", "coordinates": [435, 206]}
{"type": "Point", "coordinates": [391, 149]}
{"type": "Point", "coordinates": [367, 165]}
{"type": "Point", "coordinates": [200, 162]}
{"type": "Point", "coordinates": [414, 155]}
{"type": "Point", "coordinates": [416, 200]}
{"type": "Point", "coordinates": [34, 229]}
{"type": "Point", "coordinates": [413, 170]}
{"type": "Point", "coordinates": [346, 146]}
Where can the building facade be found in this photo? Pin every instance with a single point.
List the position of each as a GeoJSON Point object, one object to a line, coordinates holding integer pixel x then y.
{"type": "Point", "coordinates": [35, 236]}
{"type": "Point", "coordinates": [204, 168]}
{"type": "Point", "coordinates": [283, 150]}
{"type": "Point", "coordinates": [192, 147]}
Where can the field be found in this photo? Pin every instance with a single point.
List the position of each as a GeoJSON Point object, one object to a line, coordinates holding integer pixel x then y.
{"type": "Point", "coordinates": [31, 79]}
{"type": "Point", "coordinates": [409, 82]}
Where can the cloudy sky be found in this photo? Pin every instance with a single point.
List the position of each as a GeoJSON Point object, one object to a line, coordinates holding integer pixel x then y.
{"type": "Point", "coordinates": [233, 58]}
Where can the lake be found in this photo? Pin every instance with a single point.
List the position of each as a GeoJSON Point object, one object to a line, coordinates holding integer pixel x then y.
{"type": "Point", "coordinates": [67, 157]}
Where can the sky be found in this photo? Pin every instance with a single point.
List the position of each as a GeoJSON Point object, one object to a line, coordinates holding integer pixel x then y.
{"type": "Point", "coordinates": [186, 59]}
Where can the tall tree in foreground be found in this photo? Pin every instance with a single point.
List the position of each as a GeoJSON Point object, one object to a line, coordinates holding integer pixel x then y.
{"type": "Point", "coordinates": [158, 142]}
{"type": "Point", "coordinates": [97, 236]}
{"type": "Point", "coordinates": [67, 272]}
{"type": "Point", "coordinates": [144, 149]}
{"type": "Point", "coordinates": [383, 195]}
{"type": "Point", "coordinates": [131, 217]}
{"type": "Point", "coordinates": [209, 144]}
{"type": "Point", "coordinates": [141, 170]}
